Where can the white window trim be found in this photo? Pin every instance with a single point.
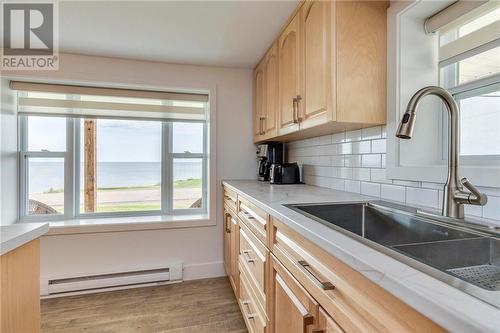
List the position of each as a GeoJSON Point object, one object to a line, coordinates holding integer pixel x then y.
{"type": "Point", "coordinates": [486, 175]}
{"type": "Point", "coordinates": [166, 218]}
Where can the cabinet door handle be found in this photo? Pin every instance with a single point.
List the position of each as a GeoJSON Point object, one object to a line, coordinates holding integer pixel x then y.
{"type": "Point", "coordinates": [298, 98]}
{"type": "Point", "coordinates": [228, 225]}
{"type": "Point", "coordinates": [323, 285]}
{"type": "Point", "coordinates": [295, 120]}
{"type": "Point", "coordinates": [261, 126]}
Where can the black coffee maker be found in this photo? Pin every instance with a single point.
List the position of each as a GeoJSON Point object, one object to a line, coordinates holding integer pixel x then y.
{"type": "Point", "coordinates": [268, 154]}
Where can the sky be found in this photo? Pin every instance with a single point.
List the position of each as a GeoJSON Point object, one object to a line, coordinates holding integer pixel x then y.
{"type": "Point", "coordinates": [118, 140]}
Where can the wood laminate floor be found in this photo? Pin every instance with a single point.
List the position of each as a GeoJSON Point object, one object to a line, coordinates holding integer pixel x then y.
{"type": "Point", "coordinates": [202, 306]}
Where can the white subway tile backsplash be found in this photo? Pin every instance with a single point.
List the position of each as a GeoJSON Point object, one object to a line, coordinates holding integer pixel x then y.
{"type": "Point", "coordinates": [338, 137]}
{"type": "Point", "coordinates": [371, 133]}
{"type": "Point", "coordinates": [379, 176]}
{"type": "Point", "coordinates": [422, 197]}
{"type": "Point", "coordinates": [406, 183]}
{"type": "Point", "coordinates": [372, 189]}
{"type": "Point", "coordinates": [361, 174]}
{"type": "Point", "coordinates": [338, 184]}
{"type": "Point", "coordinates": [353, 136]}
{"type": "Point", "coordinates": [325, 140]}
{"type": "Point", "coordinates": [473, 210]}
{"type": "Point", "coordinates": [344, 148]}
{"type": "Point", "coordinates": [325, 160]}
{"type": "Point", "coordinates": [393, 192]}
{"type": "Point", "coordinates": [338, 161]}
{"type": "Point", "coordinates": [353, 186]}
{"type": "Point", "coordinates": [492, 208]}
{"type": "Point", "coordinates": [435, 186]}
{"type": "Point", "coordinates": [352, 161]}
{"type": "Point", "coordinates": [371, 161]}
{"type": "Point", "coordinates": [361, 147]}
{"type": "Point", "coordinates": [345, 173]}
{"type": "Point", "coordinates": [378, 146]}
{"type": "Point", "coordinates": [355, 161]}
{"type": "Point", "coordinates": [327, 149]}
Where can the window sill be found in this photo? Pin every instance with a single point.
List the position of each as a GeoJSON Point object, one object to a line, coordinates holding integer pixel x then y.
{"type": "Point", "coordinates": [137, 223]}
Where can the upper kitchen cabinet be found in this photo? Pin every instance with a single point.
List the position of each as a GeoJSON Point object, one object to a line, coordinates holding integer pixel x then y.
{"type": "Point", "coordinates": [289, 79]}
{"type": "Point", "coordinates": [266, 95]}
{"type": "Point", "coordinates": [332, 69]}
{"type": "Point", "coordinates": [258, 101]}
{"type": "Point", "coordinates": [315, 100]}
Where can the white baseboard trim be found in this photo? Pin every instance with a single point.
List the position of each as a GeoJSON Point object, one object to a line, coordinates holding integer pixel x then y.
{"type": "Point", "coordinates": [203, 271]}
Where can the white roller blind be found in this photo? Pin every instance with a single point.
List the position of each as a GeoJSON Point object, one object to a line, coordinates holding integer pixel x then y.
{"type": "Point", "coordinates": [83, 101]}
{"type": "Point", "coordinates": [449, 16]}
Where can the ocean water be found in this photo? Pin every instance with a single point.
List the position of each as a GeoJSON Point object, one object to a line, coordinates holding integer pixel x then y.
{"type": "Point", "coordinates": [46, 175]}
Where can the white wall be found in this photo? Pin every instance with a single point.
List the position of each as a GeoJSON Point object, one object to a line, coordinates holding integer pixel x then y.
{"type": "Point", "coordinates": [200, 249]}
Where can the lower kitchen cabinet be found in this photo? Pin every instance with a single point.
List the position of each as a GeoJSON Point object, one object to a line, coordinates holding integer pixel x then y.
{"type": "Point", "coordinates": [292, 309]}
{"type": "Point", "coordinates": [285, 283]}
{"type": "Point", "coordinates": [20, 289]}
{"type": "Point", "coordinates": [231, 247]}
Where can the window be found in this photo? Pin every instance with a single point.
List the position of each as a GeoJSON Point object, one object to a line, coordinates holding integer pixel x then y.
{"type": "Point", "coordinates": [76, 164]}
{"type": "Point", "coordinates": [469, 64]}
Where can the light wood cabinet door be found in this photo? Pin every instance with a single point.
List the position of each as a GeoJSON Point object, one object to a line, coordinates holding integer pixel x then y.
{"type": "Point", "coordinates": [289, 78]}
{"type": "Point", "coordinates": [227, 241]}
{"type": "Point", "coordinates": [259, 102]}
{"type": "Point", "coordinates": [316, 102]}
{"type": "Point", "coordinates": [293, 310]}
{"type": "Point", "coordinates": [271, 92]}
{"type": "Point", "coordinates": [235, 252]}
{"type": "Point", "coordinates": [326, 324]}
{"type": "Point", "coordinates": [231, 248]}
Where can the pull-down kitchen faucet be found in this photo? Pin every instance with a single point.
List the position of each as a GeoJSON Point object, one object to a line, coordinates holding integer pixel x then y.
{"type": "Point", "coordinates": [454, 196]}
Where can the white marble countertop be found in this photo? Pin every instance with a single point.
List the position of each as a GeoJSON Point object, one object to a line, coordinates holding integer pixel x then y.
{"type": "Point", "coordinates": [15, 235]}
{"type": "Point", "coordinates": [451, 308]}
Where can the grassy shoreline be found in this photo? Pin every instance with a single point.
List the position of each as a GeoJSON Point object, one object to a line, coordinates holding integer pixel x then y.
{"type": "Point", "coordinates": [183, 183]}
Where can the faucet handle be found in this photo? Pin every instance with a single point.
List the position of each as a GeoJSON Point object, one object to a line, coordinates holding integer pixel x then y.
{"type": "Point", "coordinates": [475, 197]}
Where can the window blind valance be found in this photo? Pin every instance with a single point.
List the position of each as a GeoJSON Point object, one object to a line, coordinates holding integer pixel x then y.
{"type": "Point", "coordinates": [94, 102]}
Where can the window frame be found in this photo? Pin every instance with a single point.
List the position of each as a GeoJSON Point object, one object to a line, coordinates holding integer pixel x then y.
{"type": "Point", "coordinates": [450, 80]}
{"type": "Point", "coordinates": [72, 173]}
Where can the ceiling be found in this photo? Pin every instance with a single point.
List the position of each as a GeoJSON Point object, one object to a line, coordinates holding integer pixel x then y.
{"type": "Point", "coordinates": [212, 33]}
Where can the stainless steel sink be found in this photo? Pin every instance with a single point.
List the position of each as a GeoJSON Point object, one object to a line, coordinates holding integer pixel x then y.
{"type": "Point", "coordinates": [466, 258]}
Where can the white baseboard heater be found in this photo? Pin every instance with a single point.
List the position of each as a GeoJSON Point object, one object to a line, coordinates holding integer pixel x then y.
{"type": "Point", "coordinates": [114, 280]}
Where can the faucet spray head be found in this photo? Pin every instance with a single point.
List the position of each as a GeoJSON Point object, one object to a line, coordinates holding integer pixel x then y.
{"type": "Point", "coordinates": [405, 129]}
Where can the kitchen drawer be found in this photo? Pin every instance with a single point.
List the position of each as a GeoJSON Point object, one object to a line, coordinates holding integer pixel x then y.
{"type": "Point", "coordinates": [253, 259]}
{"type": "Point", "coordinates": [254, 217]}
{"type": "Point", "coordinates": [354, 302]}
{"type": "Point", "coordinates": [254, 318]}
{"type": "Point", "coordinates": [230, 198]}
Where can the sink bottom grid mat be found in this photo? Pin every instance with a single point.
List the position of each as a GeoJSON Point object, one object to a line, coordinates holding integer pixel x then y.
{"type": "Point", "coordinates": [486, 276]}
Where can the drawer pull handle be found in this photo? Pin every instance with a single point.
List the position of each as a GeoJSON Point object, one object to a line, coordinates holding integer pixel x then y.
{"type": "Point", "coordinates": [323, 285]}
{"type": "Point", "coordinates": [229, 198]}
{"type": "Point", "coordinates": [248, 216]}
{"type": "Point", "coordinates": [249, 259]}
{"type": "Point", "coordinates": [249, 316]}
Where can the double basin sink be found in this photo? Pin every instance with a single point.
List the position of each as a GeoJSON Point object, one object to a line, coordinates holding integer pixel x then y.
{"type": "Point", "coordinates": [465, 257]}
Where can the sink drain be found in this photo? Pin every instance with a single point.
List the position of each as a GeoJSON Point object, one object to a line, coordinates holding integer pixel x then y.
{"type": "Point", "coordinates": [485, 276]}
